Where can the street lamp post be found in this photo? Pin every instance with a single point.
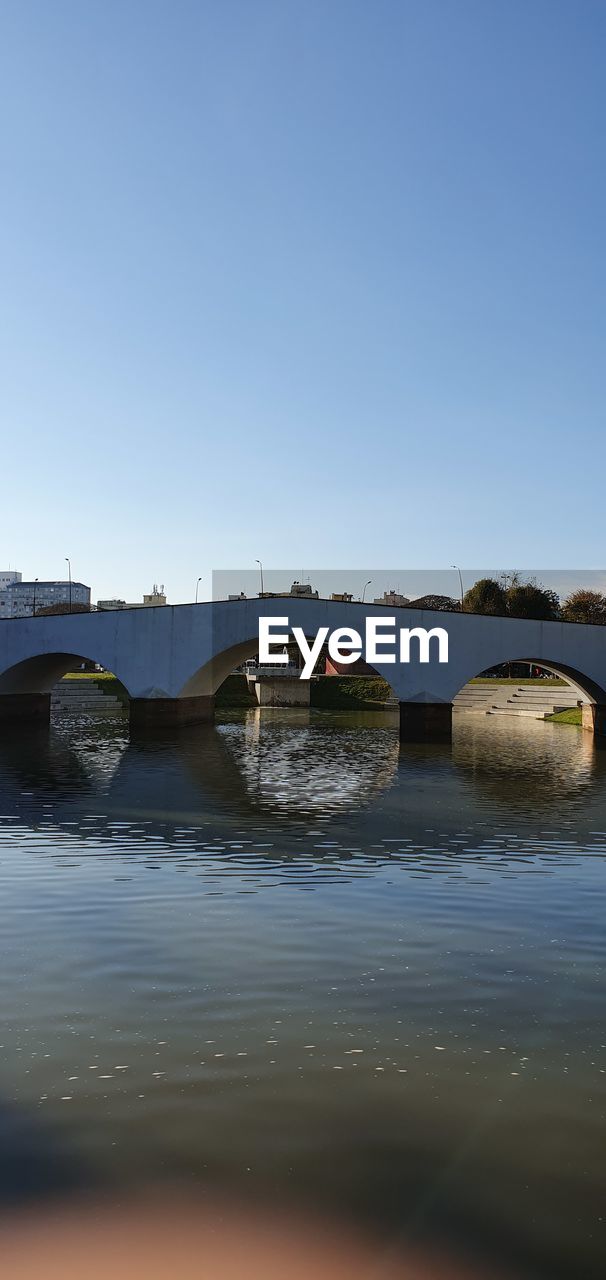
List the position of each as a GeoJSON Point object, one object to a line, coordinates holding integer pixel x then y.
{"type": "Point", "coordinates": [197, 585]}
{"type": "Point", "coordinates": [366, 584]}
{"type": "Point", "coordinates": [261, 571]}
{"type": "Point", "coordinates": [34, 601]}
{"type": "Point", "coordinates": [455, 566]}
{"type": "Point", "coordinates": [69, 566]}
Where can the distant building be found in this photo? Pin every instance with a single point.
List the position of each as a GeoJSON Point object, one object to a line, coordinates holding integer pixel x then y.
{"type": "Point", "coordinates": [21, 599]}
{"type": "Point", "coordinates": [241, 596]}
{"type": "Point", "coordinates": [345, 597]}
{"type": "Point", "coordinates": [7, 577]}
{"type": "Point", "coordinates": [302, 589]}
{"type": "Point", "coordinates": [299, 589]}
{"type": "Point", "coordinates": [392, 599]}
{"type": "Point", "coordinates": [155, 597]}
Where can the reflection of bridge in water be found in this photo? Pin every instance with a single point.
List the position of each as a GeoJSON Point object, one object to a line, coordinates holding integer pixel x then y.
{"type": "Point", "coordinates": [248, 782]}
{"type": "Point", "coordinates": [172, 660]}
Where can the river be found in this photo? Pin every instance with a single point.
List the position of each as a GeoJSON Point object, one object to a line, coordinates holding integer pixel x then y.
{"type": "Point", "coordinates": [282, 957]}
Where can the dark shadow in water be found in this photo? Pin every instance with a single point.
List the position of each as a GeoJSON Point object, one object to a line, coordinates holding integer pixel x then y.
{"type": "Point", "coordinates": [38, 763]}
{"type": "Point", "coordinates": [34, 1162]}
{"type": "Point", "coordinates": [38, 1170]}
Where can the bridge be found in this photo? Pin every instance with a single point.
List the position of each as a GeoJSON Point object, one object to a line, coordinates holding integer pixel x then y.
{"type": "Point", "coordinates": [172, 659]}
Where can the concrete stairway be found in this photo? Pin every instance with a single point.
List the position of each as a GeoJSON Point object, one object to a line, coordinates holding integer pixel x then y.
{"type": "Point", "coordinates": [476, 697]}
{"type": "Point", "coordinates": [517, 700]}
{"type": "Point", "coordinates": [83, 697]}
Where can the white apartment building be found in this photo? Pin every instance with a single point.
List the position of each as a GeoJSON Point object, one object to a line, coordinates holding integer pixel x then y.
{"type": "Point", "coordinates": [20, 599]}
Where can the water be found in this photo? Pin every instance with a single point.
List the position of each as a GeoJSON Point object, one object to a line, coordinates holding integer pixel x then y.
{"type": "Point", "coordinates": [281, 957]}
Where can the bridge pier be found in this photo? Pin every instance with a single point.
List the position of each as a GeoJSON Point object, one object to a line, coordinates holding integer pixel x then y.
{"type": "Point", "coordinates": [425, 721]}
{"type": "Point", "coordinates": [274, 692]}
{"type": "Point", "coordinates": [25, 707]}
{"type": "Point", "coordinates": [170, 713]}
{"type": "Point", "coordinates": [593, 718]}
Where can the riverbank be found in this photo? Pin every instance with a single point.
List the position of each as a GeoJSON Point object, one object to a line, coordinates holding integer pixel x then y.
{"type": "Point", "coordinates": [331, 693]}
{"type": "Point", "coordinates": [572, 715]}
{"type": "Point", "coordinates": [360, 693]}
{"type": "Point", "coordinates": [540, 682]}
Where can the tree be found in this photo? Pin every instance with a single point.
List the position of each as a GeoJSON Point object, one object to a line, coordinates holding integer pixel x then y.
{"type": "Point", "coordinates": [531, 600]}
{"type": "Point", "coordinates": [445, 603]}
{"type": "Point", "coordinates": [486, 596]}
{"type": "Point", "coordinates": [53, 610]}
{"type": "Point", "coordinates": [585, 606]}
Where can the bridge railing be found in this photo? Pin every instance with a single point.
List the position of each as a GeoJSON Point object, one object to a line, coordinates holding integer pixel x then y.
{"type": "Point", "coordinates": [282, 670]}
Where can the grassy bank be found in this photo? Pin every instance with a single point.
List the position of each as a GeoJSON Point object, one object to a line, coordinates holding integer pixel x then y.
{"type": "Point", "coordinates": [331, 693]}
{"type": "Point", "coordinates": [234, 693]}
{"type": "Point", "coordinates": [546, 683]}
{"type": "Point", "coordinates": [350, 693]}
{"type": "Point", "coordinates": [572, 715]}
{"type": "Point", "coordinates": [100, 676]}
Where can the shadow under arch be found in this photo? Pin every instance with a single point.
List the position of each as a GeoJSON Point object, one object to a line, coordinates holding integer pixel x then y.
{"type": "Point", "coordinates": [40, 673]}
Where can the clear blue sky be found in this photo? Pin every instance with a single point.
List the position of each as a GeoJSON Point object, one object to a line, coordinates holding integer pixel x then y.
{"type": "Point", "coordinates": [319, 282]}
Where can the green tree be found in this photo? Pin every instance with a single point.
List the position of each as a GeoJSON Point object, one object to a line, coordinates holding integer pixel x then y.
{"type": "Point", "coordinates": [53, 610]}
{"type": "Point", "coordinates": [435, 602]}
{"type": "Point", "coordinates": [486, 596]}
{"type": "Point", "coordinates": [585, 606]}
{"type": "Point", "coordinates": [531, 600]}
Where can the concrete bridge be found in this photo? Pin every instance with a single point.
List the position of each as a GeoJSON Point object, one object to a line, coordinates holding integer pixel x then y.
{"type": "Point", "coordinates": [172, 659]}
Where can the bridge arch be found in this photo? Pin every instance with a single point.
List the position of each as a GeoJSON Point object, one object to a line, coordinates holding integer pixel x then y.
{"type": "Point", "coordinates": [208, 678]}
{"type": "Point", "coordinates": [39, 673]}
{"type": "Point", "coordinates": [588, 688]}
